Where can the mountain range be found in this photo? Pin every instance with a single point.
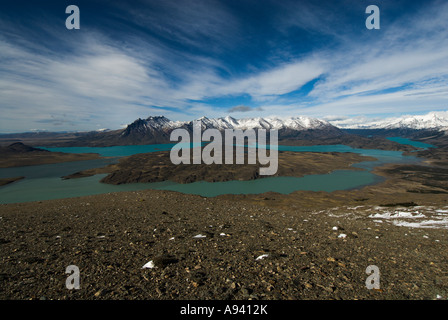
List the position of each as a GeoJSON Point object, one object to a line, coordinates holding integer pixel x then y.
{"type": "Point", "coordinates": [157, 129]}
{"type": "Point", "coordinates": [437, 121]}
{"type": "Point", "coordinates": [293, 123]}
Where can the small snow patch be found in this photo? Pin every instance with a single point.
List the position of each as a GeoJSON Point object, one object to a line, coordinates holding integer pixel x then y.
{"type": "Point", "coordinates": [397, 214]}
{"type": "Point", "coordinates": [430, 224]}
{"type": "Point", "coordinates": [199, 236]}
{"type": "Point", "coordinates": [149, 265]}
{"type": "Point", "coordinates": [262, 257]}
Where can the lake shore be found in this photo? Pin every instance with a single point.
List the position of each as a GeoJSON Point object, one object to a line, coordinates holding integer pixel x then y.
{"type": "Point", "coordinates": [5, 181]}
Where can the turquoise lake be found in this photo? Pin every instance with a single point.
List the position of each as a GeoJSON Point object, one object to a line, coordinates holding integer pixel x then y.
{"type": "Point", "coordinates": [413, 143]}
{"type": "Point", "coordinates": [44, 182]}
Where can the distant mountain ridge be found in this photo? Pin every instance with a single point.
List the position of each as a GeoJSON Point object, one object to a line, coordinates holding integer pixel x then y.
{"type": "Point", "coordinates": [157, 129]}
{"type": "Point", "coordinates": [437, 121]}
{"type": "Point", "coordinates": [154, 123]}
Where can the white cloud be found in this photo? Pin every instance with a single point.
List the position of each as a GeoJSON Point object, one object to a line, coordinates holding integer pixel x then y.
{"type": "Point", "coordinates": [102, 83]}
{"type": "Point", "coordinates": [401, 69]}
{"type": "Point", "coordinates": [278, 81]}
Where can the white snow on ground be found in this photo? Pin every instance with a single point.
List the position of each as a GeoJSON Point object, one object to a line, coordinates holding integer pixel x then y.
{"type": "Point", "coordinates": [262, 257]}
{"type": "Point", "coordinates": [354, 208]}
{"type": "Point", "coordinates": [434, 224]}
{"type": "Point", "coordinates": [199, 236]}
{"type": "Point", "coordinates": [149, 265]}
{"type": "Point", "coordinates": [424, 217]}
{"type": "Point", "coordinates": [397, 214]}
{"type": "Point", "coordinates": [411, 217]}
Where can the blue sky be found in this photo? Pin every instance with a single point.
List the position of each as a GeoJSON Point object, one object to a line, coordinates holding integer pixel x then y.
{"type": "Point", "coordinates": [244, 58]}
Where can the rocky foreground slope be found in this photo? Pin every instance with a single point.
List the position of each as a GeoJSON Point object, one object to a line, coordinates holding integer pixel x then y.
{"type": "Point", "coordinates": [212, 248]}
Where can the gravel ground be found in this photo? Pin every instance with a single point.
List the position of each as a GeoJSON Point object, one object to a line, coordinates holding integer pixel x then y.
{"type": "Point", "coordinates": [213, 248]}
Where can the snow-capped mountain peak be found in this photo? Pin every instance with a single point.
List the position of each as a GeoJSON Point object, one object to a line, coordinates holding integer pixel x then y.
{"type": "Point", "coordinates": [157, 121]}
{"type": "Point", "coordinates": [430, 121]}
{"type": "Point", "coordinates": [294, 123]}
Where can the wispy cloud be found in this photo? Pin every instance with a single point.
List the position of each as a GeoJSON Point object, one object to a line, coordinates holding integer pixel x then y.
{"type": "Point", "coordinates": [102, 82]}
{"type": "Point", "coordinates": [195, 23]}
{"type": "Point", "coordinates": [401, 68]}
